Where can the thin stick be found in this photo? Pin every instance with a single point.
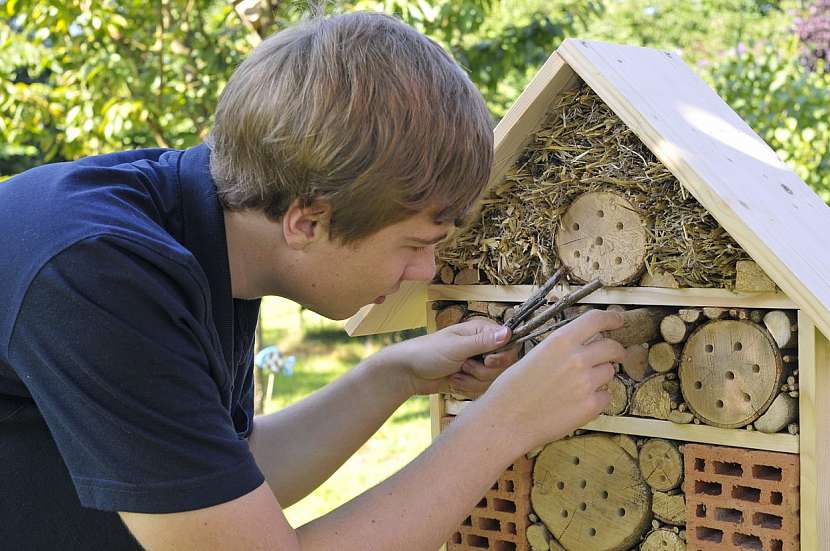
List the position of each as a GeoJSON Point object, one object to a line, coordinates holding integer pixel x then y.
{"type": "Point", "coordinates": [548, 313]}
{"type": "Point", "coordinates": [536, 326]}
{"type": "Point", "coordinates": [535, 300]}
{"type": "Point", "coordinates": [542, 330]}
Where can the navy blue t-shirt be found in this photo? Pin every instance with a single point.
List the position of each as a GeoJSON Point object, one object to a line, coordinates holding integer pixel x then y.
{"type": "Point", "coordinates": [126, 373]}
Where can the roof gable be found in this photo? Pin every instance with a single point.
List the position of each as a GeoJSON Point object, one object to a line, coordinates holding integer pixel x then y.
{"type": "Point", "coordinates": [728, 168]}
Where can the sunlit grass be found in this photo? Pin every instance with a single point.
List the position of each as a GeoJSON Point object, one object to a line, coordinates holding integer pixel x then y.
{"type": "Point", "coordinates": [323, 353]}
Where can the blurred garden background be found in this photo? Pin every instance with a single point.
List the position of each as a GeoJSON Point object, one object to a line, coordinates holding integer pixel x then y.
{"type": "Point", "coordinates": [85, 77]}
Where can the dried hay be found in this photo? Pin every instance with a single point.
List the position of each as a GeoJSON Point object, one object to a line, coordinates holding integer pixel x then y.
{"type": "Point", "coordinates": [583, 146]}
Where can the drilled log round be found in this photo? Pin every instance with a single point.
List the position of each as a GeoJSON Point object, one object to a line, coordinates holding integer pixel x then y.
{"type": "Point", "coordinates": [590, 494]}
{"type": "Point", "coordinates": [662, 357]}
{"type": "Point", "coordinates": [620, 394]}
{"type": "Point", "coordinates": [663, 540]}
{"type": "Point", "coordinates": [661, 464]}
{"type": "Point", "coordinates": [730, 372]}
{"type": "Point", "coordinates": [601, 235]}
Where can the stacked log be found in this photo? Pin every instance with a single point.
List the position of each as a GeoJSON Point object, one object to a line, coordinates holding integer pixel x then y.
{"type": "Point", "coordinates": [724, 367]}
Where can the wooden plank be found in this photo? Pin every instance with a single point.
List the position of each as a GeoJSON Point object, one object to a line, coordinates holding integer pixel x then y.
{"type": "Point", "coordinates": [437, 408]}
{"type": "Point", "coordinates": [814, 425]}
{"type": "Point", "coordinates": [401, 310]}
{"type": "Point", "coordinates": [646, 296]}
{"type": "Point", "coordinates": [688, 433]}
{"type": "Point", "coordinates": [528, 112]}
{"type": "Point", "coordinates": [757, 199]}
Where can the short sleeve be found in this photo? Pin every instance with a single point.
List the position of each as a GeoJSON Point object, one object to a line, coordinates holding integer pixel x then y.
{"type": "Point", "coordinates": [115, 342]}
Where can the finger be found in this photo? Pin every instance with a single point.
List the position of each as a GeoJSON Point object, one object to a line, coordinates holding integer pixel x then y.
{"type": "Point", "coordinates": [475, 337]}
{"type": "Point", "coordinates": [468, 385]}
{"type": "Point", "coordinates": [473, 326]}
{"type": "Point", "coordinates": [590, 323]}
{"type": "Point", "coordinates": [602, 351]}
{"type": "Point", "coordinates": [504, 359]}
{"type": "Point", "coordinates": [601, 375]}
{"type": "Point", "coordinates": [480, 371]}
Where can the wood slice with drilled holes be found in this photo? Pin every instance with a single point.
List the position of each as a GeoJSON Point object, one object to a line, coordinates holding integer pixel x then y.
{"type": "Point", "coordinates": [602, 235]}
{"type": "Point", "coordinates": [661, 464]}
{"type": "Point", "coordinates": [663, 540]}
{"type": "Point", "coordinates": [590, 494]}
{"type": "Point", "coordinates": [730, 372]}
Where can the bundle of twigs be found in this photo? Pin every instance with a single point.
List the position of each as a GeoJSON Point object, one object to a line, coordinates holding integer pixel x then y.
{"type": "Point", "coordinates": [582, 146]}
{"type": "Point", "coordinates": [533, 318]}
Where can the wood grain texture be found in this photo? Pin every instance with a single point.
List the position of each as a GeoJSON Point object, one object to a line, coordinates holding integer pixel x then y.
{"type": "Point", "coordinates": [401, 310]}
{"type": "Point", "coordinates": [814, 413]}
{"type": "Point", "coordinates": [637, 426]}
{"type": "Point", "coordinates": [730, 372]}
{"type": "Point", "coordinates": [714, 154]}
{"type": "Point", "coordinates": [590, 494]}
{"type": "Point", "coordinates": [645, 296]}
{"type": "Point", "coordinates": [602, 235]}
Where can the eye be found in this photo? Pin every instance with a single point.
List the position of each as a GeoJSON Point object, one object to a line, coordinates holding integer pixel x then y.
{"type": "Point", "coordinates": [418, 249]}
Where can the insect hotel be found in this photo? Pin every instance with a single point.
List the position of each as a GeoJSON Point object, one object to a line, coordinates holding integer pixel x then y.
{"type": "Point", "coordinates": [625, 175]}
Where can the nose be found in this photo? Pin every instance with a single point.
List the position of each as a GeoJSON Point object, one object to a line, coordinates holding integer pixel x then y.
{"type": "Point", "coordinates": [422, 267]}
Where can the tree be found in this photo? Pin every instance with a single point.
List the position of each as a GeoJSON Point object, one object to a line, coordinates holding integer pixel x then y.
{"type": "Point", "coordinates": [81, 77]}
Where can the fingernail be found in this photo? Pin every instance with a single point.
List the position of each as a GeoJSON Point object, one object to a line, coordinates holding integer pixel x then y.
{"type": "Point", "coordinates": [502, 333]}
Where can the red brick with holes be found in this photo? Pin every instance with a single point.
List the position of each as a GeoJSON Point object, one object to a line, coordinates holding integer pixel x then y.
{"type": "Point", "coordinates": [499, 522]}
{"type": "Point", "coordinates": [739, 498]}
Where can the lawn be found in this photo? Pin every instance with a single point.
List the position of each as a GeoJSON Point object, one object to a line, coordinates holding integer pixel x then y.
{"type": "Point", "coordinates": [324, 352]}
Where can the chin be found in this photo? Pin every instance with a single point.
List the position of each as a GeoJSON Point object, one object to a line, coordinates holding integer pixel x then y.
{"type": "Point", "coordinates": [336, 315]}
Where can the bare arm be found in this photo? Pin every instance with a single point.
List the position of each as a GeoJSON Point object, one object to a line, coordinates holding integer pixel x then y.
{"type": "Point", "coordinates": [299, 447]}
{"type": "Point", "coordinates": [420, 506]}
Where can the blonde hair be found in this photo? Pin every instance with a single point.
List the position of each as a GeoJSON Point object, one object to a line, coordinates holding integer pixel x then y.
{"type": "Point", "coordinates": [359, 110]}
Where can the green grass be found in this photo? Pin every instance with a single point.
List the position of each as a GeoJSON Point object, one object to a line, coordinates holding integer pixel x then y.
{"type": "Point", "coordinates": [324, 352]}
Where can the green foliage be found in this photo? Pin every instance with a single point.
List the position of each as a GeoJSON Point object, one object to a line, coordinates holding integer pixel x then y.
{"type": "Point", "coordinates": [80, 78]}
{"type": "Point", "coordinates": [784, 102]}
{"type": "Point", "coordinates": [700, 29]}
{"type": "Point", "coordinates": [501, 45]}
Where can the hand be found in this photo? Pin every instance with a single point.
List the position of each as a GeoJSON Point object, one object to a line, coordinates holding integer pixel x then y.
{"type": "Point", "coordinates": [558, 386]}
{"type": "Point", "coordinates": [444, 361]}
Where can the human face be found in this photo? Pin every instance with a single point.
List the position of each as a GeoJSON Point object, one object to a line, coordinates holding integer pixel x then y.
{"type": "Point", "coordinates": [349, 276]}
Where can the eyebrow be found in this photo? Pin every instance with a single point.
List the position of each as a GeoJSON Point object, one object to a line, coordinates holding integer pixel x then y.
{"type": "Point", "coordinates": [432, 241]}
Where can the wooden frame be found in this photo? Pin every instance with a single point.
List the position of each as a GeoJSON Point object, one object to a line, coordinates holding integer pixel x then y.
{"type": "Point", "coordinates": [814, 419]}
{"type": "Point", "coordinates": [752, 194]}
{"type": "Point", "coordinates": [812, 444]}
{"type": "Point", "coordinates": [645, 296]}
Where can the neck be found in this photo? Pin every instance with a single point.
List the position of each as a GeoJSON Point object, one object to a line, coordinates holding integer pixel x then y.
{"type": "Point", "coordinates": [255, 249]}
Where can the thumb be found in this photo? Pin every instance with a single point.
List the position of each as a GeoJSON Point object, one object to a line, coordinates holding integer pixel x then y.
{"type": "Point", "coordinates": [483, 340]}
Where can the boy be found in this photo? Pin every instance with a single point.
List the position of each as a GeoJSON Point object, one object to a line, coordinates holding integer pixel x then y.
{"type": "Point", "coordinates": [344, 149]}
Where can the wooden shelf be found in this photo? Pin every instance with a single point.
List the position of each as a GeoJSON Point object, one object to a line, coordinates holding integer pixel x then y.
{"type": "Point", "coordinates": [638, 426]}
{"type": "Point", "coordinates": [646, 296]}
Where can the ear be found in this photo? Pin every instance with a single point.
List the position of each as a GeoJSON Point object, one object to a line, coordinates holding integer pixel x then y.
{"type": "Point", "coordinates": [302, 226]}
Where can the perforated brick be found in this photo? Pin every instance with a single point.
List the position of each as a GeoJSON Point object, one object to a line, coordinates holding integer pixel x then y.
{"type": "Point", "coordinates": [499, 522]}
{"type": "Point", "coordinates": [740, 499]}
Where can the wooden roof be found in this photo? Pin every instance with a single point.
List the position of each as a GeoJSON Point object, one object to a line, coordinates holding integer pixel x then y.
{"type": "Point", "coordinates": [714, 154]}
